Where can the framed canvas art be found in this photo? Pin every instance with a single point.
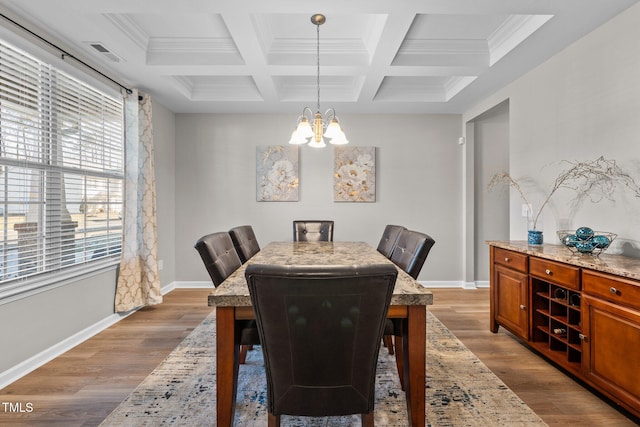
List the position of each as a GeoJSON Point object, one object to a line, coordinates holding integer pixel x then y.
{"type": "Point", "coordinates": [277, 177]}
{"type": "Point", "coordinates": [354, 174]}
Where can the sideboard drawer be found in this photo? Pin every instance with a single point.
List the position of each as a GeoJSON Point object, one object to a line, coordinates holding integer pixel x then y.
{"type": "Point", "coordinates": [555, 272]}
{"type": "Point", "coordinates": [611, 288]}
{"type": "Point", "coordinates": [513, 260]}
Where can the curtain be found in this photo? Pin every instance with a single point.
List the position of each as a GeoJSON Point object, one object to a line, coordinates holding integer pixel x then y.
{"type": "Point", "coordinates": [138, 279]}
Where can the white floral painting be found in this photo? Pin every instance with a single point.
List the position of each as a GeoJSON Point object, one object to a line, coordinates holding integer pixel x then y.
{"type": "Point", "coordinates": [354, 176]}
{"type": "Point", "coordinates": [277, 178]}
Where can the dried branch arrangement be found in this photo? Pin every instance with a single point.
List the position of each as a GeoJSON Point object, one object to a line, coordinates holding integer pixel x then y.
{"type": "Point", "coordinates": [595, 179]}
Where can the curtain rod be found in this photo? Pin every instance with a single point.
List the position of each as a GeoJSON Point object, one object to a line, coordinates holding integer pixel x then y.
{"type": "Point", "coordinates": [65, 54]}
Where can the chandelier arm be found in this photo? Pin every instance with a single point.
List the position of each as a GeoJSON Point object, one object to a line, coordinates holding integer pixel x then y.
{"type": "Point", "coordinates": [304, 113]}
{"type": "Point", "coordinates": [329, 114]}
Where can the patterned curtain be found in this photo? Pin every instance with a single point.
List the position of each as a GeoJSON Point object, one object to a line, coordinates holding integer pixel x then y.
{"type": "Point", "coordinates": [138, 280]}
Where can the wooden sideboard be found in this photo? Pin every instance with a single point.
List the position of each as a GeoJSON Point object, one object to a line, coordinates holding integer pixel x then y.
{"type": "Point", "coordinates": [581, 312]}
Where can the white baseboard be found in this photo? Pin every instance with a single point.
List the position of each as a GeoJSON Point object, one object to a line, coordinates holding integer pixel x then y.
{"type": "Point", "coordinates": [455, 284]}
{"type": "Point", "coordinates": [23, 368]}
{"type": "Point", "coordinates": [193, 285]}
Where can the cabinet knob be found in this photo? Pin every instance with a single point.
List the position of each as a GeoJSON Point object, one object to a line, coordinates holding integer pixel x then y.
{"type": "Point", "coordinates": [507, 259]}
{"type": "Point", "coordinates": [523, 307]}
{"type": "Point", "coordinates": [613, 290]}
{"type": "Point", "coordinates": [549, 272]}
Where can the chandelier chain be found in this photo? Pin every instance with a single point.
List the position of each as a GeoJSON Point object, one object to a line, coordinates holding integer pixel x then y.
{"type": "Point", "coordinates": [318, 64]}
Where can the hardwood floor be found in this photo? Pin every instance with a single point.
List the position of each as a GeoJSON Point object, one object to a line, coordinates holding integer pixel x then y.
{"type": "Point", "coordinates": [81, 387]}
{"type": "Point", "coordinates": [555, 397]}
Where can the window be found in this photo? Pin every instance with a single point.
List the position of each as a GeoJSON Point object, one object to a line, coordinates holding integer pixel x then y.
{"type": "Point", "coordinates": [61, 169]}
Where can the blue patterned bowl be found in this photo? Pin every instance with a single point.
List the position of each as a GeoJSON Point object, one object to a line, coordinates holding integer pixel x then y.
{"type": "Point", "coordinates": [586, 241]}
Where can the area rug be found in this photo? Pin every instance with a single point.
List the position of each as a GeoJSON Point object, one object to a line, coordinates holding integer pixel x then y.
{"type": "Point", "coordinates": [461, 390]}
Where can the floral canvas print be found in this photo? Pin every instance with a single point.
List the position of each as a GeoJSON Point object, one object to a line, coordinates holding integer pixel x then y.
{"type": "Point", "coordinates": [277, 173]}
{"type": "Point", "coordinates": [354, 176]}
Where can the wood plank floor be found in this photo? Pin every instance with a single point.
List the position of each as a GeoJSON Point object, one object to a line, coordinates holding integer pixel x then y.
{"type": "Point", "coordinates": [81, 387]}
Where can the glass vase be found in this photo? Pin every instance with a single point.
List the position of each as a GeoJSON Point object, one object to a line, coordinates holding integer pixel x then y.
{"type": "Point", "coordinates": [535, 236]}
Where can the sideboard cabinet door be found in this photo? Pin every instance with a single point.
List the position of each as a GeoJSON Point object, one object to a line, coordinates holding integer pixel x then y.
{"type": "Point", "coordinates": [611, 349]}
{"type": "Point", "coordinates": [511, 300]}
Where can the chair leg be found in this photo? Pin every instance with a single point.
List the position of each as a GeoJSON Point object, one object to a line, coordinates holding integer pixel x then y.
{"type": "Point", "coordinates": [367, 419]}
{"type": "Point", "coordinates": [388, 342]}
{"type": "Point", "coordinates": [400, 359]}
{"type": "Point", "coordinates": [243, 353]}
{"type": "Point", "coordinates": [274, 420]}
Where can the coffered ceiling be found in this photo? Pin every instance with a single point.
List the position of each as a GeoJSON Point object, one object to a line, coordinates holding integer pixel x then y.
{"type": "Point", "coordinates": [412, 56]}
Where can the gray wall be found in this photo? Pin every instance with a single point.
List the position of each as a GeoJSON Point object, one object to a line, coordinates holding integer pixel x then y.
{"type": "Point", "coordinates": [418, 183]}
{"type": "Point", "coordinates": [580, 104]}
{"type": "Point", "coordinates": [165, 161]}
{"type": "Point", "coordinates": [32, 324]}
{"type": "Point", "coordinates": [491, 153]}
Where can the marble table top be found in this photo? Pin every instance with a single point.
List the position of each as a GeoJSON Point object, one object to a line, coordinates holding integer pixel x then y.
{"type": "Point", "coordinates": [234, 292]}
{"type": "Point", "coordinates": [613, 264]}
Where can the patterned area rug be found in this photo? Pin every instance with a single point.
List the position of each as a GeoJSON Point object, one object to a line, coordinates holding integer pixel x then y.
{"type": "Point", "coordinates": [461, 390]}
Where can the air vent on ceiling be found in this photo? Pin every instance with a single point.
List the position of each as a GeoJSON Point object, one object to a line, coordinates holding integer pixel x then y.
{"type": "Point", "coordinates": [103, 50]}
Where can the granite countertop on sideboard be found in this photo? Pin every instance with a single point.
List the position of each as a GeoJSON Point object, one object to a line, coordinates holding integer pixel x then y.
{"type": "Point", "coordinates": [606, 263]}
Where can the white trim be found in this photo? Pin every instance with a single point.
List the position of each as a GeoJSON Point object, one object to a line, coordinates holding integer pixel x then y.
{"type": "Point", "coordinates": [443, 284]}
{"type": "Point", "coordinates": [168, 288]}
{"type": "Point", "coordinates": [193, 285]}
{"type": "Point", "coordinates": [482, 284]}
{"type": "Point", "coordinates": [455, 284]}
{"type": "Point", "coordinates": [23, 368]}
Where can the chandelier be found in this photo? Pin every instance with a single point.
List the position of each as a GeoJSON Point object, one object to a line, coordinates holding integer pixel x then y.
{"type": "Point", "coordinates": [313, 129]}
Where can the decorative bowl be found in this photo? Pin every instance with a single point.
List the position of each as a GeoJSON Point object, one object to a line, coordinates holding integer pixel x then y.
{"type": "Point", "coordinates": [586, 241]}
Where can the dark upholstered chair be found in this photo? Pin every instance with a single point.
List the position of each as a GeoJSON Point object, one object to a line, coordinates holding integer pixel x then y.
{"type": "Point", "coordinates": [245, 242]}
{"type": "Point", "coordinates": [320, 329]}
{"type": "Point", "coordinates": [411, 251]}
{"type": "Point", "coordinates": [313, 231]}
{"type": "Point", "coordinates": [221, 259]}
{"type": "Point", "coordinates": [386, 246]}
{"type": "Point", "coordinates": [219, 255]}
{"type": "Point", "coordinates": [409, 254]}
{"type": "Point", "coordinates": [389, 239]}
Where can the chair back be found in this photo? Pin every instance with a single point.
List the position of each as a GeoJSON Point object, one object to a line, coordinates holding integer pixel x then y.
{"type": "Point", "coordinates": [245, 242]}
{"type": "Point", "coordinates": [320, 329]}
{"type": "Point", "coordinates": [411, 251]}
{"type": "Point", "coordinates": [389, 239]}
{"type": "Point", "coordinates": [313, 231]}
{"type": "Point", "coordinates": [219, 255]}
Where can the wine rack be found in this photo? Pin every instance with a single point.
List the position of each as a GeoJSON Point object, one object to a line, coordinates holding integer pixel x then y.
{"type": "Point", "coordinates": [556, 323]}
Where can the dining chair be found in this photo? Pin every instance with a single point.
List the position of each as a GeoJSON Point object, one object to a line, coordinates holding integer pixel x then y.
{"type": "Point", "coordinates": [389, 239]}
{"type": "Point", "coordinates": [221, 259]}
{"type": "Point", "coordinates": [410, 253]}
{"type": "Point", "coordinates": [245, 242]}
{"type": "Point", "coordinates": [312, 231]}
{"type": "Point", "coordinates": [320, 328]}
{"type": "Point", "coordinates": [386, 246]}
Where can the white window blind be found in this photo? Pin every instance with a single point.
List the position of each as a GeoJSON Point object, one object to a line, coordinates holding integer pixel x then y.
{"type": "Point", "coordinates": [61, 169]}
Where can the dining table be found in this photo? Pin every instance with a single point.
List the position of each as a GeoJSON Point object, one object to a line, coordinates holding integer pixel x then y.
{"type": "Point", "coordinates": [233, 304]}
